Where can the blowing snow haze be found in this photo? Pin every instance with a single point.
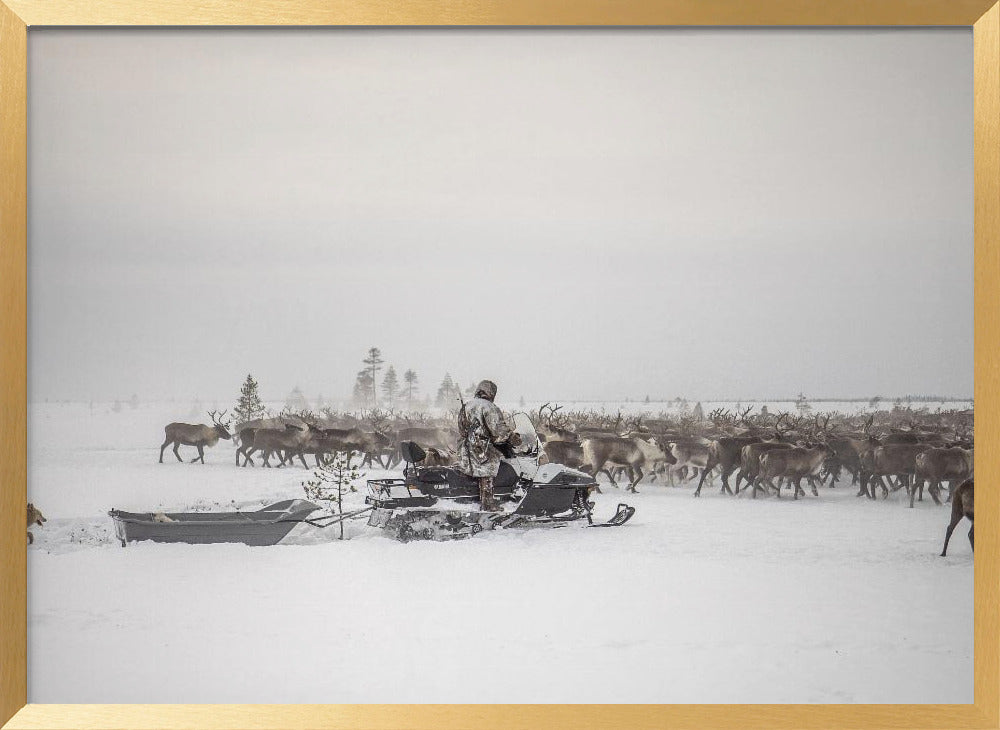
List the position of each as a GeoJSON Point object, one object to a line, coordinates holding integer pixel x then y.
{"type": "Point", "coordinates": [574, 214]}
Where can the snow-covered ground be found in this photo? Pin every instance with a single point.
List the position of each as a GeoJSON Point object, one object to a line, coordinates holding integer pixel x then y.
{"type": "Point", "coordinates": [829, 599]}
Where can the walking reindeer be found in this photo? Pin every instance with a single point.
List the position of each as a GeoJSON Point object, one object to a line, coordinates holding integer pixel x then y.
{"type": "Point", "coordinates": [197, 435]}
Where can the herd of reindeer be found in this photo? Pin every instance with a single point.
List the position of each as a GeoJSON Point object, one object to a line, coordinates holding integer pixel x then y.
{"type": "Point", "coordinates": [884, 451]}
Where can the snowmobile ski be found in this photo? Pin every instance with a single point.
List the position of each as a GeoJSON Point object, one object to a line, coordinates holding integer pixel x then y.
{"type": "Point", "coordinates": [623, 515]}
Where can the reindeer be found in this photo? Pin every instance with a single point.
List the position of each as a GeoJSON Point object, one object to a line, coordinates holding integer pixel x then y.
{"type": "Point", "coordinates": [320, 445]}
{"type": "Point", "coordinates": [291, 439]}
{"type": "Point", "coordinates": [853, 448]}
{"type": "Point", "coordinates": [961, 506]}
{"type": "Point", "coordinates": [246, 448]}
{"type": "Point", "coordinates": [631, 453]}
{"type": "Point", "coordinates": [568, 452]}
{"type": "Point", "coordinates": [35, 517]}
{"type": "Point", "coordinates": [690, 453]}
{"type": "Point", "coordinates": [245, 435]}
{"type": "Point", "coordinates": [369, 443]}
{"type": "Point", "coordinates": [247, 431]}
{"type": "Point", "coordinates": [936, 465]}
{"type": "Point", "coordinates": [725, 452]}
{"type": "Point", "coordinates": [198, 436]}
{"type": "Point", "coordinates": [847, 451]}
{"type": "Point", "coordinates": [897, 460]}
{"type": "Point", "coordinates": [792, 464]}
{"type": "Point", "coordinates": [750, 456]}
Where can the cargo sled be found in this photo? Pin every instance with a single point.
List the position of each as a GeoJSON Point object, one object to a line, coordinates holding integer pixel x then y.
{"type": "Point", "coordinates": [266, 526]}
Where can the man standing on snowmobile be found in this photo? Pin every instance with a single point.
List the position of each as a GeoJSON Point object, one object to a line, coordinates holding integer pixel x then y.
{"type": "Point", "coordinates": [481, 428]}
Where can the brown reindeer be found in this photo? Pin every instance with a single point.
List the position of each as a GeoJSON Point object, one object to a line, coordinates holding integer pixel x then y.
{"type": "Point", "coordinates": [750, 461]}
{"type": "Point", "coordinates": [35, 517]}
{"type": "Point", "coordinates": [197, 435]}
{"type": "Point", "coordinates": [245, 449]}
{"type": "Point", "coordinates": [567, 453]}
{"type": "Point", "coordinates": [369, 443]}
{"type": "Point", "coordinates": [690, 455]}
{"type": "Point", "coordinates": [935, 465]}
{"type": "Point", "coordinates": [792, 464]}
{"type": "Point", "coordinates": [246, 431]}
{"type": "Point", "coordinates": [726, 452]}
{"type": "Point", "coordinates": [961, 506]}
{"type": "Point", "coordinates": [847, 450]}
{"type": "Point", "coordinates": [631, 453]}
{"type": "Point", "coordinates": [898, 460]}
{"type": "Point", "coordinates": [287, 442]}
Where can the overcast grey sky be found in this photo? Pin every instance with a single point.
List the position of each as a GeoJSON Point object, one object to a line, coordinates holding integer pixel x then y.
{"type": "Point", "coordinates": [576, 214]}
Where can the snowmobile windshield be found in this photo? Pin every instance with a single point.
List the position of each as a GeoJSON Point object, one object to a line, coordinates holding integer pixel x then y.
{"type": "Point", "coordinates": [524, 427]}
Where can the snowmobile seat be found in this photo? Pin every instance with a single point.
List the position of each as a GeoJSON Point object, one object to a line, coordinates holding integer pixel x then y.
{"type": "Point", "coordinates": [462, 485]}
{"type": "Point", "coordinates": [433, 475]}
{"type": "Point", "coordinates": [505, 479]}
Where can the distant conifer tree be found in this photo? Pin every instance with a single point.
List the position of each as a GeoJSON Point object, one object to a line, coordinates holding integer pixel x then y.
{"type": "Point", "coordinates": [446, 391]}
{"type": "Point", "coordinates": [390, 385]}
{"type": "Point", "coordinates": [373, 363]}
{"type": "Point", "coordinates": [249, 405]}
{"type": "Point", "coordinates": [410, 378]}
{"type": "Point", "coordinates": [364, 386]}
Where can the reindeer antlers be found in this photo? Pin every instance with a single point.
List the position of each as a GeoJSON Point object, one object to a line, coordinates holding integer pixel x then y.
{"type": "Point", "coordinates": [779, 432]}
{"type": "Point", "coordinates": [551, 419]}
{"type": "Point", "coordinates": [217, 418]}
{"type": "Point", "coordinates": [821, 430]}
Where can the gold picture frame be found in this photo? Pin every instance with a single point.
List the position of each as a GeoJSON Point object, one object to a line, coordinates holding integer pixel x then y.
{"type": "Point", "coordinates": [17, 16]}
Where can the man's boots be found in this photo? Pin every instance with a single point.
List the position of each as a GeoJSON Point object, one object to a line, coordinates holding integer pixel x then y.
{"type": "Point", "coordinates": [486, 495]}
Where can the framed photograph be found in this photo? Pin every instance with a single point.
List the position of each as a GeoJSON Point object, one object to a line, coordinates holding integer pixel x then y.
{"type": "Point", "coordinates": [499, 366]}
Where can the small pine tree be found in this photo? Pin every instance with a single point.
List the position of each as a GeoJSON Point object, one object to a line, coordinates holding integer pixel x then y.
{"type": "Point", "coordinates": [410, 378]}
{"type": "Point", "coordinates": [373, 363]}
{"type": "Point", "coordinates": [698, 413]}
{"type": "Point", "coordinates": [331, 481]}
{"type": "Point", "coordinates": [390, 385]}
{"type": "Point", "coordinates": [249, 406]}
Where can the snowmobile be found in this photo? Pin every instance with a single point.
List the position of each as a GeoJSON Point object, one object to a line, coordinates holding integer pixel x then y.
{"type": "Point", "coordinates": [442, 503]}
